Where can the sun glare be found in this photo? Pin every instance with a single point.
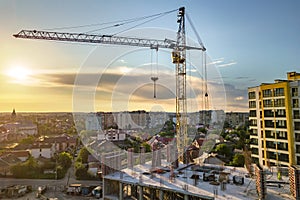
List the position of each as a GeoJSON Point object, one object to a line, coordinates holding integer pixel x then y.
{"type": "Point", "coordinates": [19, 73]}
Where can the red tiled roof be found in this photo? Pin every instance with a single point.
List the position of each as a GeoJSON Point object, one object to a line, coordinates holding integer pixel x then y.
{"type": "Point", "coordinates": [41, 146]}
{"type": "Point", "coordinates": [60, 139]}
{"type": "Point", "coordinates": [20, 153]}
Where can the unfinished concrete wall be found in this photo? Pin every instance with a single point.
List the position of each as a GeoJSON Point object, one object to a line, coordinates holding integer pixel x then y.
{"type": "Point", "coordinates": [130, 158]}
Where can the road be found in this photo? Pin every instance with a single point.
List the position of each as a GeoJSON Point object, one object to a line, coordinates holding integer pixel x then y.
{"type": "Point", "coordinates": [54, 187]}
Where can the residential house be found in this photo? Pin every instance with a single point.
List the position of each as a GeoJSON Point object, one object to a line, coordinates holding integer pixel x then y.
{"type": "Point", "coordinates": [61, 143]}
{"type": "Point", "coordinates": [42, 150]}
{"type": "Point", "coordinates": [6, 161]}
{"type": "Point", "coordinates": [23, 155]}
{"type": "Point", "coordinates": [112, 135]}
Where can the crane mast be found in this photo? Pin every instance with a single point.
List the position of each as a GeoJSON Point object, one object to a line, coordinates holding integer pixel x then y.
{"type": "Point", "coordinates": [178, 47]}
{"type": "Point", "coordinates": [181, 106]}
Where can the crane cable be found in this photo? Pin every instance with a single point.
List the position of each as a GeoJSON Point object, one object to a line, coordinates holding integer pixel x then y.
{"type": "Point", "coordinates": [195, 32]}
{"type": "Point", "coordinates": [161, 15]}
{"type": "Point", "coordinates": [115, 23]}
{"type": "Point", "coordinates": [204, 73]}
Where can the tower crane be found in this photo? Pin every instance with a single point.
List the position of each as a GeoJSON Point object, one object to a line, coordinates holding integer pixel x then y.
{"type": "Point", "coordinates": [178, 48]}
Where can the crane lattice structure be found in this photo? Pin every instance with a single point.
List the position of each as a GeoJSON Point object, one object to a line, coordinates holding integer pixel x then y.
{"type": "Point", "coordinates": [178, 47]}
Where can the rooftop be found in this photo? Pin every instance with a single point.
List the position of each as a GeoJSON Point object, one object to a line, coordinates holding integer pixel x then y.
{"type": "Point", "coordinates": [185, 184]}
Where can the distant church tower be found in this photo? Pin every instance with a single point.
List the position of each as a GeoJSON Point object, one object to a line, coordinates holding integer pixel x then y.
{"type": "Point", "coordinates": [13, 114]}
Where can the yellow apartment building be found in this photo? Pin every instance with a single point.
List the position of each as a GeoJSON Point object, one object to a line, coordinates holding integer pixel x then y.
{"type": "Point", "coordinates": [274, 119]}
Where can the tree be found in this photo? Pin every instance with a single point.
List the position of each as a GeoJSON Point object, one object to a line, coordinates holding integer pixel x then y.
{"type": "Point", "coordinates": [238, 160]}
{"type": "Point", "coordinates": [28, 169]}
{"type": "Point", "coordinates": [65, 160]}
{"type": "Point", "coordinates": [146, 146]}
{"type": "Point", "coordinates": [223, 149]}
{"type": "Point", "coordinates": [29, 140]}
{"type": "Point", "coordinates": [80, 171]}
{"type": "Point", "coordinates": [83, 155]}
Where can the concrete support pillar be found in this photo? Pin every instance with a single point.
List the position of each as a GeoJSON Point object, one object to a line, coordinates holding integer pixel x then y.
{"type": "Point", "coordinates": [133, 190]}
{"type": "Point", "coordinates": [142, 155]}
{"type": "Point", "coordinates": [186, 197]}
{"type": "Point", "coordinates": [161, 195]}
{"type": "Point", "coordinates": [121, 194]}
{"type": "Point", "coordinates": [140, 189]}
{"type": "Point", "coordinates": [152, 193]}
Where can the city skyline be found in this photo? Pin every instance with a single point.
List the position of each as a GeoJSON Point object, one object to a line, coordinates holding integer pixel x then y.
{"type": "Point", "coordinates": [248, 43]}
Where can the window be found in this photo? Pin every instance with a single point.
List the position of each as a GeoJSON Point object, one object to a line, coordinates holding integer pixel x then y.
{"type": "Point", "coordinates": [282, 146]}
{"type": "Point", "coordinates": [297, 126]}
{"type": "Point", "coordinates": [253, 131]}
{"type": "Point", "coordinates": [269, 123]}
{"type": "Point", "coordinates": [280, 113]}
{"type": "Point", "coordinates": [296, 114]}
{"type": "Point", "coordinates": [294, 92]}
{"type": "Point", "coordinates": [297, 137]}
{"type": "Point", "coordinates": [271, 145]}
{"type": "Point", "coordinates": [251, 95]}
{"type": "Point", "coordinates": [268, 113]}
{"type": "Point", "coordinates": [297, 148]}
{"type": "Point", "coordinates": [252, 104]}
{"type": "Point", "coordinates": [281, 124]}
{"type": "Point", "coordinates": [279, 103]}
{"type": "Point", "coordinates": [268, 103]}
{"type": "Point", "coordinates": [252, 113]}
{"type": "Point", "coordinates": [253, 122]}
{"type": "Point", "coordinates": [278, 92]}
{"type": "Point", "coordinates": [267, 93]}
{"type": "Point", "coordinates": [269, 134]}
{"type": "Point", "coordinates": [254, 151]}
{"type": "Point", "coordinates": [295, 103]}
{"type": "Point", "coordinates": [281, 135]}
{"type": "Point", "coordinates": [283, 157]}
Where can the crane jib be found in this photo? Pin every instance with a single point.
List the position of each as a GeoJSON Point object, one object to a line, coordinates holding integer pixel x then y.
{"type": "Point", "coordinates": [102, 39]}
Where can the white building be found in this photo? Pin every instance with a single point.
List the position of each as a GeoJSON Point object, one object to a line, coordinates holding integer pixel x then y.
{"type": "Point", "coordinates": [92, 122]}
{"type": "Point", "coordinates": [112, 135]}
{"type": "Point", "coordinates": [42, 150]}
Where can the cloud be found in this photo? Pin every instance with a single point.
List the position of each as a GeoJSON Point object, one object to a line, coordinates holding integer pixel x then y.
{"type": "Point", "coordinates": [241, 78]}
{"type": "Point", "coordinates": [227, 64]}
{"type": "Point", "coordinates": [137, 87]}
{"type": "Point", "coordinates": [220, 62]}
{"type": "Point", "coordinates": [240, 98]}
{"type": "Point", "coordinates": [216, 61]}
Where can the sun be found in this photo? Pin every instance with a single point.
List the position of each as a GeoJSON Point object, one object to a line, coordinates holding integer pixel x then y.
{"type": "Point", "coordinates": [19, 73]}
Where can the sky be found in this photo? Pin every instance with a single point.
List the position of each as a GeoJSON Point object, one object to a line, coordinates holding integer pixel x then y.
{"type": "Point", "coordinates": [247, 42]}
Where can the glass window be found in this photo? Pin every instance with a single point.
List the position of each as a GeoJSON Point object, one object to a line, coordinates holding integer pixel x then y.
{"type": "Point", "coordinates": [252, 104]}
{"type": "Point", "coordinates": [268, 103]}
{"type": "Point", "coordinates": [295, 103]}
{"type": "Point", "coordinates": [296, 114]}
{"type": "Point", "coordinates": [267, 93]}
{"type": "Point", "coordinates": [297, 126]}
{"type": "Point", "coordinates": [251, 95]}
{"type": "Point", "coordinates": [279, 103]}
{"type": "Point", "coordinates": [278, 92]}
{"type": "Point", "coordinates": [294, 92]}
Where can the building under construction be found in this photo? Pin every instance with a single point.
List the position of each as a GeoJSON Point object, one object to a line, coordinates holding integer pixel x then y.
{"type": "Point", "coordinates": [158, 179]}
